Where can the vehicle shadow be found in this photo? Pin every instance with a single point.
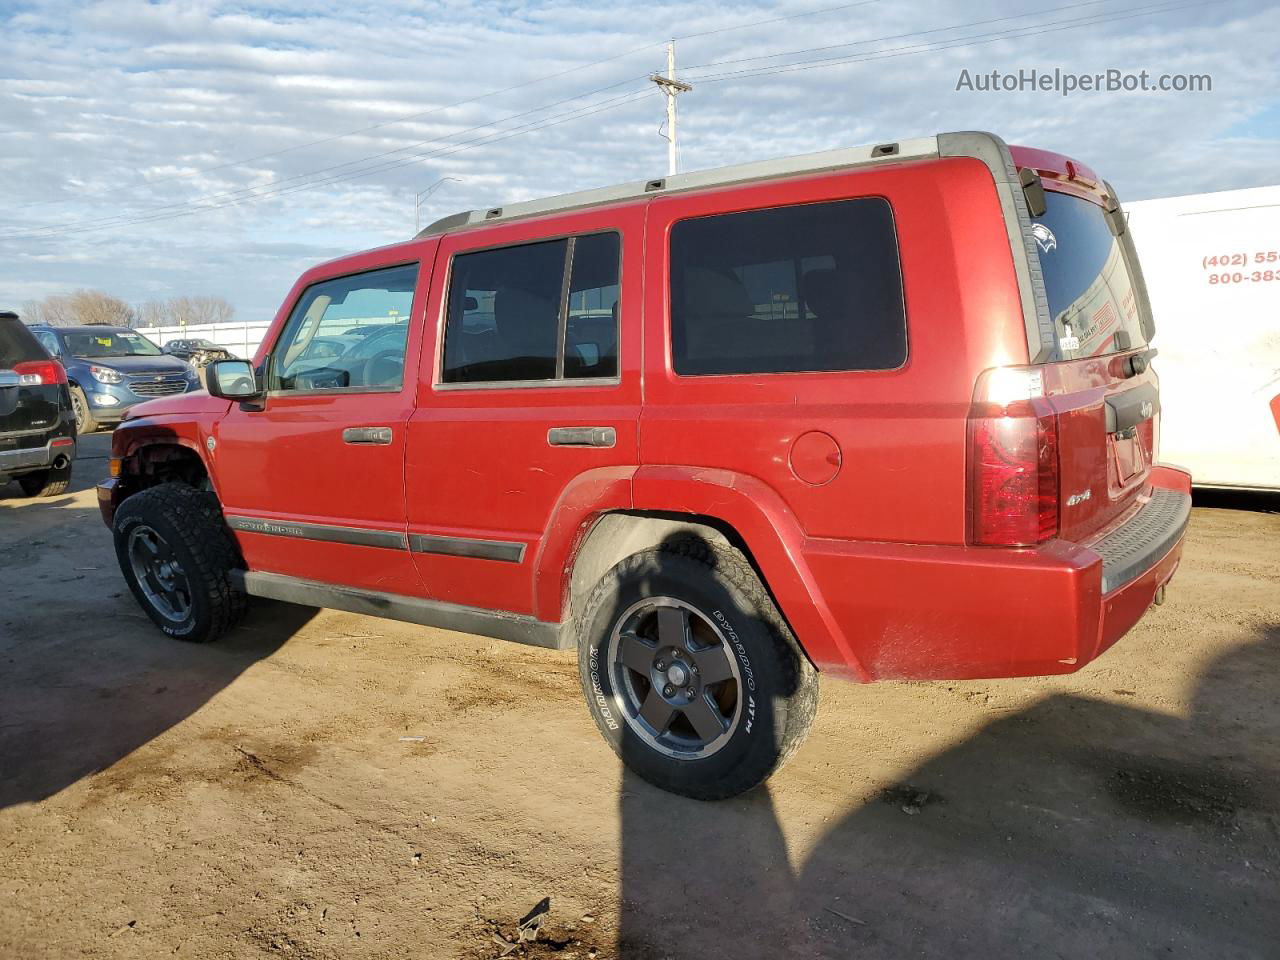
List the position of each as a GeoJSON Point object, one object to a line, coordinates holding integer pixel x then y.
{"type": "Point", "coordinates": [1075, 827]}
{"type": "Point", "coordinates": [85, 677]}
{"type": "Point", "coordinates": [76, 703]}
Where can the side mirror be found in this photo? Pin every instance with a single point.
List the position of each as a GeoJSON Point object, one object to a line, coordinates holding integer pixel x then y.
{"type": "Point", "coordinates": [232, 380]}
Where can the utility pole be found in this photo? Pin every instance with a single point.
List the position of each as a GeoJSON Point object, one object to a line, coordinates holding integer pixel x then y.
{"type": "Point", "coordinates": [671, 86]}
{"type": "Point", "coordinates": [422, 195]}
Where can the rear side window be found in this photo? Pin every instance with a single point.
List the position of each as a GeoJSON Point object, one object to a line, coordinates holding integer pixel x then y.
{"type": "Point", "coordinates": [1091, 296]}
{"type": "Point", "coordinates": [17, 344]}
{"type": "Point", "coordinates": [543, 311]}
{"type": "Point", "coordinates": [787, 290]}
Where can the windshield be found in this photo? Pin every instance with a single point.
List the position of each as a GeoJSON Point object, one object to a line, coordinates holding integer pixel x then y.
{"type": "Point", "coordinates": [109, 343]}
{"type": "Point", "coordinates": [1087, 280]}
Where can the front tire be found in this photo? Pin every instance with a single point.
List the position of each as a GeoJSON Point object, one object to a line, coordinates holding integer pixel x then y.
{"type": "Point", "coordinates": [690, 673]}
{"type": "Point", "coordinates": [176, 554]}
{"type": "Point", "coordinates": [85, 421]}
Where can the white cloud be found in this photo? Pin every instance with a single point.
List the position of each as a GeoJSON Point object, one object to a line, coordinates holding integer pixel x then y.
{"type": "Point", "coordinates": [119, 108]}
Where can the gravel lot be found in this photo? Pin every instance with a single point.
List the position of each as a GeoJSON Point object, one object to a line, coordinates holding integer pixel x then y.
{"type": "Point", "coordinates": [258, 796]}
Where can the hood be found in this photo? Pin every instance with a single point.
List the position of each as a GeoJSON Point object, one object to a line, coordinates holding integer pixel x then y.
{"type": "Point", "coordinates": [197, 402]}
{"type": "Point", "coordinates": [134, 365]}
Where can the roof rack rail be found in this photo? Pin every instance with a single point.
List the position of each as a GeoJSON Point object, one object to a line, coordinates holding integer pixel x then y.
{"type": "Point", "coordinates": [825, 161]}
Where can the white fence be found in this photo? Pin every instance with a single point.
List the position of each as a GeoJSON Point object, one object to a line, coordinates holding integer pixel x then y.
{"type": "Point", "coordinates": [241, 339]}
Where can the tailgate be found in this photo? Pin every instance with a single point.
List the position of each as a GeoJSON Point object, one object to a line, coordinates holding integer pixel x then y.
{"type": "Point", "coordinates": [27, 404]}
{"type": "Point", "coordinates": [1105, 395]}
{"type": "Point", "coordinates": [1108, 425]}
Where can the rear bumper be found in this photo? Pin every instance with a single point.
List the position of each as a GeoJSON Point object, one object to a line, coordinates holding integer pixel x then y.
{"type": "Point", "coordinates": [29, 459]}
{"type": "Point", "coordinates": [941, 612]}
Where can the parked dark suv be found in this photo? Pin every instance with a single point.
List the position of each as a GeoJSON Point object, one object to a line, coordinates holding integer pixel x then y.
{"type": "Point", "coordinates": [37, 429]}
{"type": "Point", "coordinates": [109, 369]}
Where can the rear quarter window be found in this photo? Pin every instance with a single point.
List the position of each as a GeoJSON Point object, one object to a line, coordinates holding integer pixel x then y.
{"type": "Point", "coordinates": [805, 288]}
{"type": "Point", "coordinates": [1086, 278]}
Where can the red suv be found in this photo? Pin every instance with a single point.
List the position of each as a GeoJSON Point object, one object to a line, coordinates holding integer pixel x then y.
{"type": "Point", "coordinates": [884, 412]}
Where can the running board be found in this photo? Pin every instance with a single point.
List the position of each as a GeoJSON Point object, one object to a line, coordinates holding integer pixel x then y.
{"type": "Point", "coordinates": [392, 606]}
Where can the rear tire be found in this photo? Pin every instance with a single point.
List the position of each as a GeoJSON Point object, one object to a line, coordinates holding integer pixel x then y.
{"type": "Point", "coordinates": [46, 483]}
{"type": "Point", "coordinates": [176, 554]}
{"type": "Point", "coordinates": [85, 422]}
{"type": "Point", "coordinates": [647, 627]}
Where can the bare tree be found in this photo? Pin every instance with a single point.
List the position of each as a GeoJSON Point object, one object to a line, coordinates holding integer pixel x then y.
{"type": "Point", "coordinates": [83, 306]}
{"type": "Point", "coordinates": [96, 307]}
{"type": "Point", "coordinates": [52, 310]}
{"type": "Point", "coordinates": [153, 313]}
{"type": "Point", "coordinates": [193, 310]}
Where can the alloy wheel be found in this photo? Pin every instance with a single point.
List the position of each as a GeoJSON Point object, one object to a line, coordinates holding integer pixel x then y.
{"type": "Point", "coordinates": [675, 678]}
{"type": "Point", "coordinates": [159, 574]}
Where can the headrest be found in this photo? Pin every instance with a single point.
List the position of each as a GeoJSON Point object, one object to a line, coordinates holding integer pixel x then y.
{"type": "Point", "coordinates": [709, 293]}
{"type": "Point", "coordinates": [826, 292]}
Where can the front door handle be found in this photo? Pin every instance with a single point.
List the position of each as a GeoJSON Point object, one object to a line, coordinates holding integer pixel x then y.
{"type": "Point", "coordinates": [582, 436]}
{"type": "Point", "coordinates": [367, 435]}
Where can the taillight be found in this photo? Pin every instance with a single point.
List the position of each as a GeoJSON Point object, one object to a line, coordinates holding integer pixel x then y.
{"type": "Point", "coordinates": [1013, 461]}
{"type": "Point", "coordinates": [35, 373]}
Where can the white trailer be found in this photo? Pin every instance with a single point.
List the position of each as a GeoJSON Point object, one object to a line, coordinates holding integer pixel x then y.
{"type": "Point", "coordinates": [1212, 267]}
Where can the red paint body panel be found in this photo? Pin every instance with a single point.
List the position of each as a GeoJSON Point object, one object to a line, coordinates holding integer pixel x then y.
{"type": "Point", "coordinates": [963, 316]}
{"type": "Point", "coordinates": [941, 612]}
{"type": "Point", "coordinates": [288, 463]}
{"type": "Point", "coordinates": [848, 489]}
{"type": "Point", "coordinates": [478, 461]}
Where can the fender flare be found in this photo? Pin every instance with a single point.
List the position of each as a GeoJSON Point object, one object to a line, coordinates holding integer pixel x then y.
{"type": "Point", "coordinates": [752, 509]}
{"type": "Point", "coordinates": [142, 433]}
{"type": "Point", "coordinates": [588, 496]}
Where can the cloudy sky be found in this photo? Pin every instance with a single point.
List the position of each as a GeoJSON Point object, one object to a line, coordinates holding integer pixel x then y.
{"type": "Point", "coordinates": [167, 148]}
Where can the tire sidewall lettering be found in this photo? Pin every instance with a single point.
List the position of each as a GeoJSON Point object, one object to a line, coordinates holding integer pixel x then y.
{"type": "Point", "coordinates": [739, 650]}
{"type": "Point", "coordinates": [598, 698]}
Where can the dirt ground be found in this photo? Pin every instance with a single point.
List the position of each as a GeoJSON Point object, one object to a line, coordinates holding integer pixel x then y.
{"type": "Point", "coordinates": [323, 785]}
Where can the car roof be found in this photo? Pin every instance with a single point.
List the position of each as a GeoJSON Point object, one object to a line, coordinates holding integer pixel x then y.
{"type": "Point", "coordinates": [84, 326]}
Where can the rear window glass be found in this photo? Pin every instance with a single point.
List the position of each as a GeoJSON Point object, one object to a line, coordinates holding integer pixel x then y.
{"type": "Point", "coordinates": [17, 344]}
{"type": "Point", "coordinates": [1091, 296]}
{"type": "Point", "coordinates": [786, 290]}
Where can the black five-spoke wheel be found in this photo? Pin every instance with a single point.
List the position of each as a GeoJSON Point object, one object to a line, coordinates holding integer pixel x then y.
{"type": "Point", "coordinates": [676, 677]}
{"type": "Point", "coordinates": [690, 673]}
{"type": "Point", "coordinates": [159, 574]}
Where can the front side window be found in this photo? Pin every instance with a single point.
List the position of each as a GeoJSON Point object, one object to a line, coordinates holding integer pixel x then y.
{"type": "Point", "coordinates": [804, 288]}
{"type": "Point", "coordinates": [347, 334]}
{"type": "Point", "coordinates": [545, 311]}
{"type": "Point", "coordinates": [1086, 278]}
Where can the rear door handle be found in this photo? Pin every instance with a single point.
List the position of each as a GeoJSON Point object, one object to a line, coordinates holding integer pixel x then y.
{"type": "Point", "coordinates": [582, 436]}
{"type": "Point", "coordinates": [367, 435]}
